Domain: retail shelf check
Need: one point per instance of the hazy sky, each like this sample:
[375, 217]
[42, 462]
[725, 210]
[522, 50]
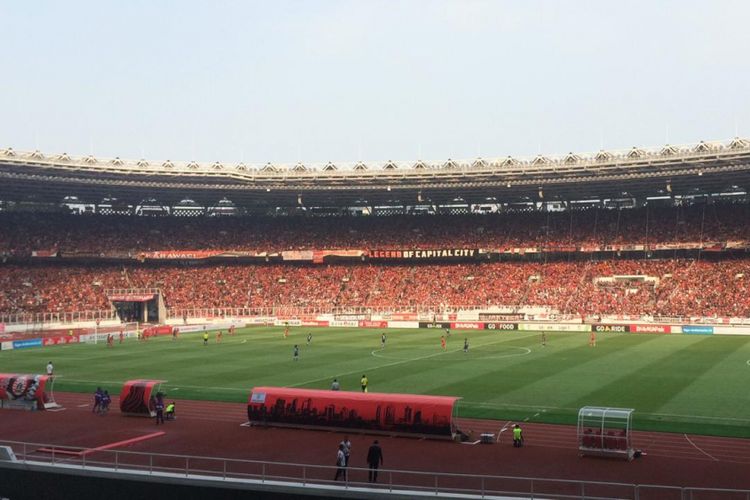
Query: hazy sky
[283, 81]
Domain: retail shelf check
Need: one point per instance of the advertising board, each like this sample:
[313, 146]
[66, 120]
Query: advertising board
[698, 329]
[606, 327]
[650, 329]
[504, 327]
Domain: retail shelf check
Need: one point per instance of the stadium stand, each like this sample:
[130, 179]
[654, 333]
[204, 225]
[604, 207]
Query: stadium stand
[98, 234]
[675, 287]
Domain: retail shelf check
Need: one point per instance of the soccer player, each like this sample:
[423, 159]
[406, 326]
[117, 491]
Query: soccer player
[309, 338]
[448, 332]
[363, 383]
[50, 369]
[335, 386]
[442, 342]
[382, 340]
[466, 344]
[105, 402]
[219, 336]
[175, 331]
[295, 353]
[286, 330]
[122, 335]
[544, 340]
[205, 337]
[231, 330]
[592, 340]
[98, 394]
[110, 340]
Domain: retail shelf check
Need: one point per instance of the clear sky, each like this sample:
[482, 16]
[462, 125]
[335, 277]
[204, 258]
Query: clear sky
[283, 81]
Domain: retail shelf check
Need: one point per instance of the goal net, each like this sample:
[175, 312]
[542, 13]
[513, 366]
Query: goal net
[100, 334]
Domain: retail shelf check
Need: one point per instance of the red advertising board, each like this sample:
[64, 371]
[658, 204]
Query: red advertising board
[403, 317]
[650, 329]
[373, 324]
[61, 339]
[158, 330]
[314, 323]
[467, 325]
[393, 413]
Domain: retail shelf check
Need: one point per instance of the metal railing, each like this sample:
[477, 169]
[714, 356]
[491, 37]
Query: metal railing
[295, 474]
[325, 308]
[538, 314]
[56, 317]
[128, 291]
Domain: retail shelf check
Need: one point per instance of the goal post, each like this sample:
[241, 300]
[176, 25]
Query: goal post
[96, 334]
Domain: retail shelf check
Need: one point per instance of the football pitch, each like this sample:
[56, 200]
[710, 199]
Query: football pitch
[678, 383]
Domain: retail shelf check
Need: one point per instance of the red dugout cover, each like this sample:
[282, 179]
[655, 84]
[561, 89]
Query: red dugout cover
[401, 413]
[135, 397]
[23, 387]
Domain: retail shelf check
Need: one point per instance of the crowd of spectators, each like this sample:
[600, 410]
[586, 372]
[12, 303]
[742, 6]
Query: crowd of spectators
[672, 287]
[127, 235]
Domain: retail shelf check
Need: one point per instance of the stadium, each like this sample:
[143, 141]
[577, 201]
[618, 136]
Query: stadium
[533, 291]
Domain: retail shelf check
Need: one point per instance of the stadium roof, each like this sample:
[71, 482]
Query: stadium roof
[706, 167]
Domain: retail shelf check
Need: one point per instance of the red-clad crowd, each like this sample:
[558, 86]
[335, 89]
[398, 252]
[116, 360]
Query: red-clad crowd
[673, 287]
[23, 233]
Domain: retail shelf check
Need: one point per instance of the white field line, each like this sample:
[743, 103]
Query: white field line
[400, 362]
[699, 449]
[504, 406]
[120, 382]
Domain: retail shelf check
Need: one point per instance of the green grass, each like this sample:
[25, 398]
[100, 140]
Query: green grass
[677, 383]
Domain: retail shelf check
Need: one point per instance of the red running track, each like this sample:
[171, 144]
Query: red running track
[206, 428]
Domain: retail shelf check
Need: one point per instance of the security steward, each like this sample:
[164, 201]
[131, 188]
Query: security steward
[517, 436]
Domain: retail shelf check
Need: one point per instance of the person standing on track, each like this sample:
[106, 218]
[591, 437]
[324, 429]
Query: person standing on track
[374, 460]
[105, 402]
[159, 406]
[97, 399]
[363, 383]
[347, 451]
[340, 463]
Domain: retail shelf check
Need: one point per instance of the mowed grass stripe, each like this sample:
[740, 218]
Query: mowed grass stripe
[615, 356]
[649, 387]
[722, 389]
